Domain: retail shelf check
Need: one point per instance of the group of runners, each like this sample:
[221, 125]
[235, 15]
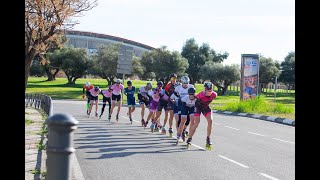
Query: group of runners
[178, 99]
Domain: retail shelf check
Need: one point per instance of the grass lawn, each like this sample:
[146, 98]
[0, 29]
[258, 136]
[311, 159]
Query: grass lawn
[59, 89]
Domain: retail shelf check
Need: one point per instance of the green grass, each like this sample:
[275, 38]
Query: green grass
[59, 89]
[284, 107]
[41, 146]
[35, 171]
[28, 122]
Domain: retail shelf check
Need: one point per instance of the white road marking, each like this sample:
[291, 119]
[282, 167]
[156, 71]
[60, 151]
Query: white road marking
[242, 165]
[191, 144]
[231, 127]
[268, 176]
[256, 133]
[216, 123]
[283, 140]
[136, 121]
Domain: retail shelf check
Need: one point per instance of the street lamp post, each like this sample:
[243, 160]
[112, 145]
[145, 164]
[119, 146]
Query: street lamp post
[275, 88]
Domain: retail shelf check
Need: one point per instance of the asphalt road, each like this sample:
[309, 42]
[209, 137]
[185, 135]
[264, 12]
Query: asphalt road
[243, 148]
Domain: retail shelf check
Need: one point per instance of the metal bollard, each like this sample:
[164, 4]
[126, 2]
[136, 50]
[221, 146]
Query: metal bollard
[60, 146]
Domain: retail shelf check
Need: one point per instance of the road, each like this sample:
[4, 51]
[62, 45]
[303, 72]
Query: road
[243, 148]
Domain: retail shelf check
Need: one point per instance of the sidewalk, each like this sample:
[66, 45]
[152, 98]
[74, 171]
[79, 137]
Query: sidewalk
[35, 158]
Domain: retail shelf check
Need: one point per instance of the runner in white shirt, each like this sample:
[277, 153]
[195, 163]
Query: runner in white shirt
[187, 109]
[181, 91]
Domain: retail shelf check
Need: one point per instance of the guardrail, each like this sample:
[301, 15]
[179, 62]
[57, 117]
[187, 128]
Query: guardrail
[39, 101]
[59, 147]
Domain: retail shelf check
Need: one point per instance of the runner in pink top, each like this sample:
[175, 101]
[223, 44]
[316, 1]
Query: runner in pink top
[94, 98]
[204, 98]
[116, 89]
[116, 96]
[106, 94]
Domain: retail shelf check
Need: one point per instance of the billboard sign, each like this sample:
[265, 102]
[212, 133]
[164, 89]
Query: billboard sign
[124, 65]
[249, 76]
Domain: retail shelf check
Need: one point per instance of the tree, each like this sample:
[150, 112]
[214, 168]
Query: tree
[198, 56]
[36, 68]
[75, 64]
[53, 62]
[288, 69]
[137, 69]
[105, 62]
[267, 70]
[221, 76]
[44, 21]
[163, 63]
[150, 76]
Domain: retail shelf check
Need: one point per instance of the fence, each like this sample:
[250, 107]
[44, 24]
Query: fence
[266, 89]
[60, 137]
[39, 101]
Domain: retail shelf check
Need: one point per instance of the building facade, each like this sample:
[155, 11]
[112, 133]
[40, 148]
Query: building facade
[90, 41]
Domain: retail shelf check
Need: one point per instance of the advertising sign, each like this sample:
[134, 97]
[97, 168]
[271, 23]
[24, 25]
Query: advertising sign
[249, 76]
[124, 65]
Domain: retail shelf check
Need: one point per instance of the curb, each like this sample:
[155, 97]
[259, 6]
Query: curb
[76, 170]
[258, 116]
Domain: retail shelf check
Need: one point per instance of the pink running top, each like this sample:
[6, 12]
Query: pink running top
[116, 90]
[106, 93]
[204, 100]
[94, 93]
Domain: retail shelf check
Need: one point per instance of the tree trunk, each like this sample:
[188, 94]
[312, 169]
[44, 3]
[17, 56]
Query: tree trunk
[191, 80]
[69, 80]
[28, 57]
[74, 80]
[55, 73]
[224, 90]
[49, 74]
[28, 61]
[109, 82]
[219, 90]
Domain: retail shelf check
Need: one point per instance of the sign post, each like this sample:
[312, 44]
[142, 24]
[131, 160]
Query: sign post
[124, 65]
[249, 82]
[275, 89]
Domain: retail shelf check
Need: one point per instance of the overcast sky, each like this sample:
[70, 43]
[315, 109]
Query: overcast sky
[238, 27]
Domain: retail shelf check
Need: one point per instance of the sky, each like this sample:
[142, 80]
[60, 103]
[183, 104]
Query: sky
[265, 27]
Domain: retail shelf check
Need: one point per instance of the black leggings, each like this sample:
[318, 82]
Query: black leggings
[104, 104]
[187, 122]
[88, 96]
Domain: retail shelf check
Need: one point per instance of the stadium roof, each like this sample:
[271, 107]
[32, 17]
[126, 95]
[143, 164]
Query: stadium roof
[105, 36]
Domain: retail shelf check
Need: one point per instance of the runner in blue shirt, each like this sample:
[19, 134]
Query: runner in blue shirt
[131, 100]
